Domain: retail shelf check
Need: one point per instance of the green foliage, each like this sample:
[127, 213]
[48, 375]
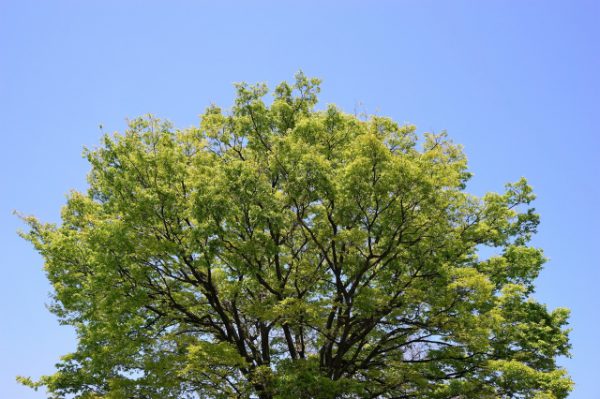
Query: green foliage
[281, 252]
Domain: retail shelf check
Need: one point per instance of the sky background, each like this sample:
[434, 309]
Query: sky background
[516, 82]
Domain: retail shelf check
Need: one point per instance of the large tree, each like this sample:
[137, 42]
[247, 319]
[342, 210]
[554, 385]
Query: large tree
[276, 251]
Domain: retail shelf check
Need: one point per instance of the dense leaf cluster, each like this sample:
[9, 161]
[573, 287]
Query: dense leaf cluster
[276, 251]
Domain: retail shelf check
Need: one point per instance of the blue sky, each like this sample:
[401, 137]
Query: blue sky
[516, 82]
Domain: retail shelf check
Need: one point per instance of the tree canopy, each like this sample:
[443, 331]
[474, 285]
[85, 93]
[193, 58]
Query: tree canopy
[279, 251]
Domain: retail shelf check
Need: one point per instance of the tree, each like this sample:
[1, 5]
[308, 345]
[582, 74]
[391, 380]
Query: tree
[276, 251]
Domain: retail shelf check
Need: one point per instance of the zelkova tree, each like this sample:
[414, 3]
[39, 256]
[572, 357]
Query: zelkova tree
[276, 251]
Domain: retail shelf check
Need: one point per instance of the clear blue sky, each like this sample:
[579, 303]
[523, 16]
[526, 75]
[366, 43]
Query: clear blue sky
[516, 82]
